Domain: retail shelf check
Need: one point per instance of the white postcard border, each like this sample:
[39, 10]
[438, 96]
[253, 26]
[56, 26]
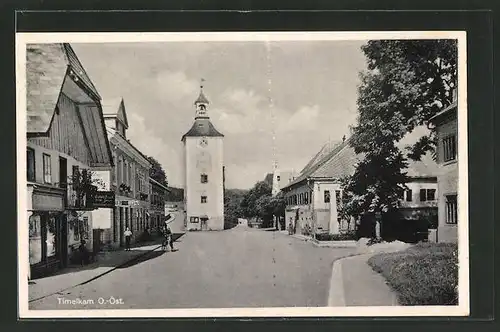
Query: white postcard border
[462, 309]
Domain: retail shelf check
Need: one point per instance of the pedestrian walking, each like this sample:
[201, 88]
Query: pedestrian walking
[128, 235]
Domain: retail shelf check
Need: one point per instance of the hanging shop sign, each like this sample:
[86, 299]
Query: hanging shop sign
[104, 199]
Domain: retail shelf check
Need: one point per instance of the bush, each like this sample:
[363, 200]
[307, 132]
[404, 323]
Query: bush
[335, 237]
[426, 274]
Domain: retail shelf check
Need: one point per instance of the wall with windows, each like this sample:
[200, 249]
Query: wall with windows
[204, 182]
[448, 181]
[420, 193]
[321, 199]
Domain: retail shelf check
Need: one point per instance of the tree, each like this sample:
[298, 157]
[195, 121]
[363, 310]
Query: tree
[249, 202]
[407, 82]
[264, 208]
[232, 210]
[157, 172]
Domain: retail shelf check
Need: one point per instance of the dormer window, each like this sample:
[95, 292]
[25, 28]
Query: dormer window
[120, 128]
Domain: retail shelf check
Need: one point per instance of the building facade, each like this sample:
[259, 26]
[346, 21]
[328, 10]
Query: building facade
[446, 125]
[282, 178]
[128, 180]
[158, 196]
[314, 198]
[203, 172]
[66, 139]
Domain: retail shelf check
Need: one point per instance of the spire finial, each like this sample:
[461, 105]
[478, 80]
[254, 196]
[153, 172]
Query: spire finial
[202, 80]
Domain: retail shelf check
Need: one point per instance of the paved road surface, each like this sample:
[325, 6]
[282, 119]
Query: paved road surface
[242, 267]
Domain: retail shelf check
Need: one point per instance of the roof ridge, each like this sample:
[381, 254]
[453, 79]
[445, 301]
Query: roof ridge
[321, 162]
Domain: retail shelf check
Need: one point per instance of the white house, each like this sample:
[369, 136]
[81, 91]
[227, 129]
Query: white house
[127, 181]
[315, 196]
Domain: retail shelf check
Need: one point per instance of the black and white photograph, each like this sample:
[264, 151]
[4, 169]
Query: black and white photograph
[264, 174]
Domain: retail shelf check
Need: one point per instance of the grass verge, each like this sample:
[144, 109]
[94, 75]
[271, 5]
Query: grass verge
[425, 274]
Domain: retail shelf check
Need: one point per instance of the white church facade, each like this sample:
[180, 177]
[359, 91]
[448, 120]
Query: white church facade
[203, 172]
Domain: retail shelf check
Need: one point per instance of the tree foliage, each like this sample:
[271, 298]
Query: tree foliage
[249, 202]
[259, 203]
[232, 209]
[157, 172]
[406, 83]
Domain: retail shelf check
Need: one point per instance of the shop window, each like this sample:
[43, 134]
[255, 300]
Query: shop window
[30, 167]
[35, 239]
[451, 209]
[47, 169]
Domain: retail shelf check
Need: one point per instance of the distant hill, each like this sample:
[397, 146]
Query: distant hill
[175, 195]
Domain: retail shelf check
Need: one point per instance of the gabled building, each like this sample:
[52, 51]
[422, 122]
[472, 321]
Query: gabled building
[66, 140]
[315, 196]
[446, 126]
[128, 181]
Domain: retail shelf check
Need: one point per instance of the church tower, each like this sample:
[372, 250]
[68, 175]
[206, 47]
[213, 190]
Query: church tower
[203, 171]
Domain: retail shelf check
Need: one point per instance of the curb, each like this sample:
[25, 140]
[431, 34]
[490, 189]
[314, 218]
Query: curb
[336, 293]
[330, 244]
[103, 273]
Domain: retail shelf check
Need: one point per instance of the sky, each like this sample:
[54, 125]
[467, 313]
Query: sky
[280, 101]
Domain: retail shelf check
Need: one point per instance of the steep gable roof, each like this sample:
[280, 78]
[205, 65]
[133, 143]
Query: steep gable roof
[341, 161]
[325, 149]
[78, 69]
[115, 107]
[316, 169]
[46, 68]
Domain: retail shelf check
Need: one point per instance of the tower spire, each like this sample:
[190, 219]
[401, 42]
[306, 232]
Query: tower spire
[201, 103]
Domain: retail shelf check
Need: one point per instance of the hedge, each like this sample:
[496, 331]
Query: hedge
[425, 274]
[336, 237]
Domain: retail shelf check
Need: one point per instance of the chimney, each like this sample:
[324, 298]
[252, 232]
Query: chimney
[343, 139]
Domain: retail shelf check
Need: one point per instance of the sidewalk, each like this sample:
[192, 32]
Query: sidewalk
[77, 275]
[354, 283]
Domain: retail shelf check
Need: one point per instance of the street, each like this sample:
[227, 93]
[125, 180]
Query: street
[241, 267]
